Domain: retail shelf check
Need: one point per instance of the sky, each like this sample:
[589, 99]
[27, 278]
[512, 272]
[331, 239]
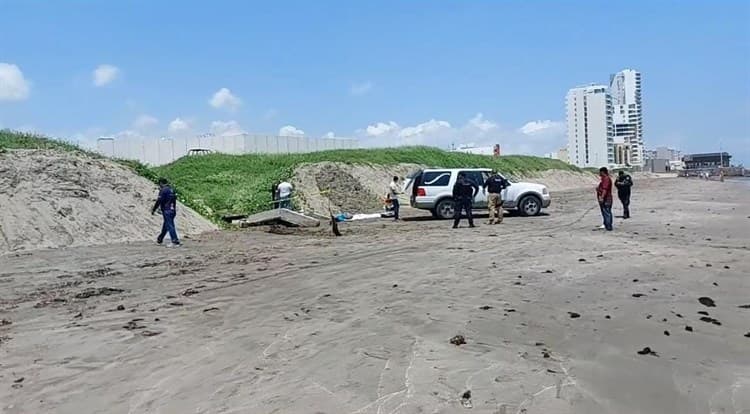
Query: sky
[386, 72]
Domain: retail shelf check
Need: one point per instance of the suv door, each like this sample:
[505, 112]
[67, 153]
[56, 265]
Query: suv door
[436, 184]
[478, 177]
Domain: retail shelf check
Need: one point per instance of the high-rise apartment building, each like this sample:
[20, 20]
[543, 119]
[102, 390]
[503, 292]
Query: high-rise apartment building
[590, 126]
[625, 88]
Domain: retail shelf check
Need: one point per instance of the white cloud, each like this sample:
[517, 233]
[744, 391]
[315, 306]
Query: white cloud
[13, 85]
[482, 124]
[381, 128]
[226, 128]
[105, 74]
[329, 134]
[224, 99]
[178, 125]
[426, 128]
[359, 89]
[477, 131]
[538, 127]
[145, 121]
[290, 131]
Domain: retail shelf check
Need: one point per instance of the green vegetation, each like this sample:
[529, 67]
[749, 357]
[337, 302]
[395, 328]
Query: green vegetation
[22, 140]
[218, 184]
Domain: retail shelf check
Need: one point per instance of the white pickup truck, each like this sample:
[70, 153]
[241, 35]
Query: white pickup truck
[432, 189]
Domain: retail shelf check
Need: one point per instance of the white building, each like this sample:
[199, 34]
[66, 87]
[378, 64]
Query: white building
[667, 153]
[471, 149]
[625, 88]
[590, 127]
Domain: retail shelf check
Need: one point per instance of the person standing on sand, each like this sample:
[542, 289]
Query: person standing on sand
[623, 183]
[464, 192]
[167, 202]
[285, 195]
[494, 185]
[394, 189]
[275, 195]
[604, 196]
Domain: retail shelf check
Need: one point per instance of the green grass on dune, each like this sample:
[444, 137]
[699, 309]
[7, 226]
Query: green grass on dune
[23, 140]
[219, 184]
[12, 140]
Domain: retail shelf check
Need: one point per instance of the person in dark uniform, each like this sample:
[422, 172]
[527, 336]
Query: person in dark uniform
[464, 192]
[167, 202]
[623, 183]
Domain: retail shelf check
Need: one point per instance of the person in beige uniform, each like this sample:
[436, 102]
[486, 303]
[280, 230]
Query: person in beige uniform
[394, 189]
[494, 185]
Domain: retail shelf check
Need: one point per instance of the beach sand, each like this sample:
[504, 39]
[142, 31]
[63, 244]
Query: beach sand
[553, 315]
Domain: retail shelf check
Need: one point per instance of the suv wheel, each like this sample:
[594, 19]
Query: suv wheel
[530, 206]
[445, 209]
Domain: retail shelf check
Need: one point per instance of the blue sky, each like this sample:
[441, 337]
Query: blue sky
[387, 72]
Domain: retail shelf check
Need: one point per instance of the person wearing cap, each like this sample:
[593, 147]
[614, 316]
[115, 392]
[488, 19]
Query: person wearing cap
[167, 203]
[624, 183]
[464, 193]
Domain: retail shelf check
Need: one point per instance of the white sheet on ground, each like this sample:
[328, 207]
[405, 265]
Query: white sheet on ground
[365, 216]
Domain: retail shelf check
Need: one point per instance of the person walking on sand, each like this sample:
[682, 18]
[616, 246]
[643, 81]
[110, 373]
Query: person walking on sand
[604, 196]
[167, 202]
[464, 192]
[394, 189]
[285, 194]
[494, 185]
[623, 183]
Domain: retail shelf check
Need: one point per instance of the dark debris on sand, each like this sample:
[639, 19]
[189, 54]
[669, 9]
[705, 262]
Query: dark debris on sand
[458, 340]
[647, 351]
[706, 301]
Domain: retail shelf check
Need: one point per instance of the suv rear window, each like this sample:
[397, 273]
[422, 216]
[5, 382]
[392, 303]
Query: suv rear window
[436, 179]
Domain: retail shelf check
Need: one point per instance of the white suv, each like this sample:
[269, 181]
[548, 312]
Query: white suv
[432, 189]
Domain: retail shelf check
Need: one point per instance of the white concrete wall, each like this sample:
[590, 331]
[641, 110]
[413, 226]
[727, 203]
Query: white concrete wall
[159, 151]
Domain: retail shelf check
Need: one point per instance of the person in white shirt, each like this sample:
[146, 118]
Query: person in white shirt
[393, 191]
[285, 195]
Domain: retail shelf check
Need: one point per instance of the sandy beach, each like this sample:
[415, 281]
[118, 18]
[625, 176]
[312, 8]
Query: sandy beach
[556, 317]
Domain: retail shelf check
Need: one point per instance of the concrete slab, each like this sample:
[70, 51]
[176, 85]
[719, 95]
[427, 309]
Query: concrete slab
[281, 216]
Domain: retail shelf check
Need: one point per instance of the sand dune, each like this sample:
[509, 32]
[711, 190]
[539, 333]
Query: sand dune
[53, 199]
[359, 188]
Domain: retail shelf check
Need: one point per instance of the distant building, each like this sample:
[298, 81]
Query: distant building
[623, 154]
[625, 89]
[562, 155]
[657, 165]
[709, 160]
[667, 153]
[590, 127]
[468, 149]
